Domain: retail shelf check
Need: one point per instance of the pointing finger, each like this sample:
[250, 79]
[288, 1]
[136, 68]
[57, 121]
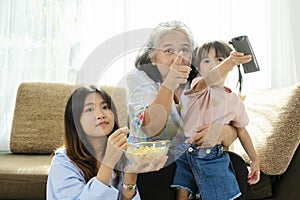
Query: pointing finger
[178, 59]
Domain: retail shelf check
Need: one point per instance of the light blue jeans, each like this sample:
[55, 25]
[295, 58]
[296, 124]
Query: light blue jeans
[207, 173]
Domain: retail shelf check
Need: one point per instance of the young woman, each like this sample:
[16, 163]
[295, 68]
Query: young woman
[155, 101]
[93, 147]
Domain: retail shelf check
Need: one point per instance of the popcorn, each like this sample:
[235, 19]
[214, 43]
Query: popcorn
[144, 152]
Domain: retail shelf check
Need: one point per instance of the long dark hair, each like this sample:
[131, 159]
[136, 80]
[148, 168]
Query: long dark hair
[143, 61]
[77, 147]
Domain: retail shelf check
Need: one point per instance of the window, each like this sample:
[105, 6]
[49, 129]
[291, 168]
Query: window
[48, 41]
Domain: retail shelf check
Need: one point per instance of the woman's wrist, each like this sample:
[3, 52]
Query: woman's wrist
[104, 174]
[129, 185]
[130, 178]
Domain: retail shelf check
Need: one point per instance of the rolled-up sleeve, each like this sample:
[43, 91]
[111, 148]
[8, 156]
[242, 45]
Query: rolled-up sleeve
[142, 91]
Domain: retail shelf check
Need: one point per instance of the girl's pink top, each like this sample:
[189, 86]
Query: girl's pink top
[214, 105]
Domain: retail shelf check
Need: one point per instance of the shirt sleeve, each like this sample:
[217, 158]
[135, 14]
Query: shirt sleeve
[142, 91]
[66, 181]
[194, 82]
[241, 120]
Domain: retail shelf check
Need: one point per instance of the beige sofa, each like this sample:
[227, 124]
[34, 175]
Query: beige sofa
[37, 130]
[274, 127]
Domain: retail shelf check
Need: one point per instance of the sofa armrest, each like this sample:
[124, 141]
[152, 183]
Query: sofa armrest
[23, 176]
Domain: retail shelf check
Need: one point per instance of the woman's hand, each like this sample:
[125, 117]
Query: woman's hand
[156, 164]
[116, 145]
[199, 137]
[178, 74]
[210, 135]
[207, 135]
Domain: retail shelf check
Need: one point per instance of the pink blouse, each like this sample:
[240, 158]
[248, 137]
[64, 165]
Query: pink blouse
[214, 105]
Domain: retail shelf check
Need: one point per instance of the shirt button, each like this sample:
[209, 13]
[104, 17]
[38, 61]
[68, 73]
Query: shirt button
[208, 151]
[190, 149]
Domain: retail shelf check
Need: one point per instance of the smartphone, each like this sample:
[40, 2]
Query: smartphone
[242, 44]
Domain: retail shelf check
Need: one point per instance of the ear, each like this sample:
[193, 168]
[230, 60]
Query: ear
[151, 53]
[153, 61]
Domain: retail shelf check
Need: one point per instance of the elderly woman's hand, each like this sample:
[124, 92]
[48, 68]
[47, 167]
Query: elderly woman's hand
[207, 135]
[178, 74]
[198, 138]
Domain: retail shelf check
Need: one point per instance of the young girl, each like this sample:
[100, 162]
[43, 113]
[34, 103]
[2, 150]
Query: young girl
[93, 145]
[206, 170]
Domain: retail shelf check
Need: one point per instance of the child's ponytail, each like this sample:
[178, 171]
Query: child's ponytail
[240, 84]
[240, 80]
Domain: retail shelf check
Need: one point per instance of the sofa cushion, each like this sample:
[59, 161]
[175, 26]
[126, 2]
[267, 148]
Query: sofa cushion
[38, 117]
[274, 127]
[37, 126]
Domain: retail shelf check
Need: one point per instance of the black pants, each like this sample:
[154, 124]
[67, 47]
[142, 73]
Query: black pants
[156, 185]
[241, 172]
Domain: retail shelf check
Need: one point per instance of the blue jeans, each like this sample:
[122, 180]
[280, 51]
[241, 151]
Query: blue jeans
[207, 173]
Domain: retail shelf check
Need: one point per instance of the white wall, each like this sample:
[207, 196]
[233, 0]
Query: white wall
[295, 16]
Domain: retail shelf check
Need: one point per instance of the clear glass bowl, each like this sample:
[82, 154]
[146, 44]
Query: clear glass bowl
[144, 152]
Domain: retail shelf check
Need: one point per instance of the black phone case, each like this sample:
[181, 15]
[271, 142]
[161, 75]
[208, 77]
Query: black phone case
[242, 44]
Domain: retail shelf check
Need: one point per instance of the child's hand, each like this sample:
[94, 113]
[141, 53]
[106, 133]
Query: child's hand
[237, 58]
[254, 173]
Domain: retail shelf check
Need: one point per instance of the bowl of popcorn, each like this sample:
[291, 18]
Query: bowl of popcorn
[144, 152]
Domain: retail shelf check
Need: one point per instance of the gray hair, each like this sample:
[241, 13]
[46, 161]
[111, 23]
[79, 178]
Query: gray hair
[162, 29]
[143, 60]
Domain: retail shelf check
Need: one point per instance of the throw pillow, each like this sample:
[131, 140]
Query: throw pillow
[274, 127]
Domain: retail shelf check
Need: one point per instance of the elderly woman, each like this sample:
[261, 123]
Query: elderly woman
[155, 104]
